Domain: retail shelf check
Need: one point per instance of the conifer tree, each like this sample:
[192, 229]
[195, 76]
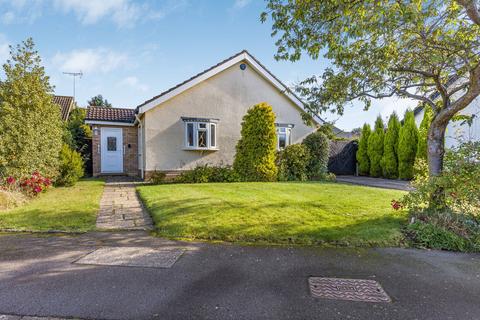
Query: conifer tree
[423, 132]
[362, 155]
[375, 148]
[407, 146]
[390, 147]
[30, 124]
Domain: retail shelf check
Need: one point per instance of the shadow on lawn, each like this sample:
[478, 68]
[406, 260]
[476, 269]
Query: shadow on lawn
[316, 224]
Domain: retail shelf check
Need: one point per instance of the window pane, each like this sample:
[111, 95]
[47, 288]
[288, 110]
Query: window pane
[190, 134]
[112, 143]
[202, 125]
[202, 139]
[212, 135]
[282, 140]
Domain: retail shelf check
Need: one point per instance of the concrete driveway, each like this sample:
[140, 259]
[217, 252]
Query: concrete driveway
[38, 278]
[376, 182]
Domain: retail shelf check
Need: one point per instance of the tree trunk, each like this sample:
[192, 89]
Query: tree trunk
[436, 147]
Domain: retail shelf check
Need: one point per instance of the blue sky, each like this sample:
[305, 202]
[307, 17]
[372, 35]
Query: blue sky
[131, 50]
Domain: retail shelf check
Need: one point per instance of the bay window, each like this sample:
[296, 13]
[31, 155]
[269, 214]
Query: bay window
[200, 134]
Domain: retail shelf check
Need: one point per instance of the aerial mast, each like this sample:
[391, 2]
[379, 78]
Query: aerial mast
[74, 75]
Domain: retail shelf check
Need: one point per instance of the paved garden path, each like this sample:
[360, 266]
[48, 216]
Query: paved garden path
[120, 207]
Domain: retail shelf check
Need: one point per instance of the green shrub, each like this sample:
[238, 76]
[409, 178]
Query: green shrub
[71, 167]
[375, 148]
[423, 132]
[78, 134]
[318, 146]
[407, 146]
[390, 144]
[157, 177]
[292, 163]
[256, 149]
[30, 123]
[362, 154]
[206, 173]
[427, 235]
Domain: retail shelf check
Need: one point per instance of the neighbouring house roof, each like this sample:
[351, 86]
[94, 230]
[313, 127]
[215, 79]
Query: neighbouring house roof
[219, 67]
[105, 114]
[66, 104]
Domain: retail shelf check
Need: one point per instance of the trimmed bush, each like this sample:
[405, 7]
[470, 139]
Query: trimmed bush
[71, 167]
[407, 146]
[362, 154]
[375, 148]
[390, 146]
[292, 163]
[30, 123]
[206, 173]
[318, 146]
[256, 149]
[423, 132]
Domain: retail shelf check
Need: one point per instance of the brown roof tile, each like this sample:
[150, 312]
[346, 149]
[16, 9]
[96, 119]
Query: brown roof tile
[110, 114]
[66, 104]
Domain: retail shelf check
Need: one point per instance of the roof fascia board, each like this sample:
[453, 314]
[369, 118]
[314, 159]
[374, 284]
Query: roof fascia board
[113, 123]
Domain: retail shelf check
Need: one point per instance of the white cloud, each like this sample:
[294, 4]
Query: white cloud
[20, 11]
[239, 4]
[4, 49]
[122, 12]
[90, 60]
[125, 13]
[134, 83]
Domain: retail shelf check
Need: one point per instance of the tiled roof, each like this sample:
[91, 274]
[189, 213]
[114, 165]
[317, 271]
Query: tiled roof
[66, 104]
[110, 114]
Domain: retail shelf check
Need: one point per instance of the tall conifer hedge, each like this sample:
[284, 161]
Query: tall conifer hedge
[362, 155]
[407, 146]
[375, 148]
[423, 132]
[390, 147]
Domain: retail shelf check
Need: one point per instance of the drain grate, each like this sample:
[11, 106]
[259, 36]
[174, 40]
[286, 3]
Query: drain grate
[347, 289]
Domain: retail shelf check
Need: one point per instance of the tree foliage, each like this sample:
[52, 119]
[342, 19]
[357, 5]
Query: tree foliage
[390, 148]
[407, 146]
[375, 148]
[30, 123]
[362, 152]
[292, 163]
[319, 148]
[78, 134]
[99, 101]
[423, 132]
[256, 149]
[382, 48]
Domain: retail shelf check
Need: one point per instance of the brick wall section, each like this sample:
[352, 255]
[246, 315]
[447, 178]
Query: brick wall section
[130, 157]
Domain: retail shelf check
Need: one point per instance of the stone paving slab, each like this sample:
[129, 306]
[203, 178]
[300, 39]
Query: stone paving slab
[120, 207]
[133, 257]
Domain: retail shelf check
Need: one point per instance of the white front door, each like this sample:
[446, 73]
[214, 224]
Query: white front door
[112, 150]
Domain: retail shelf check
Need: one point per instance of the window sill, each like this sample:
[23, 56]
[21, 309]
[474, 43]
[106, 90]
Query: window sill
[200, 149]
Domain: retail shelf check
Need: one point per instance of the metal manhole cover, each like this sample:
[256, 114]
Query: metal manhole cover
[347, 289]
[133, 257]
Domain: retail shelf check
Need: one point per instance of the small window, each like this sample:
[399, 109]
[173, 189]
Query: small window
[283, 137]
[200, 135]
[111, 143]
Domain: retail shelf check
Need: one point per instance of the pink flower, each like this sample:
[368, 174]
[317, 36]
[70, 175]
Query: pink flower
[11, 180]
[37, 189]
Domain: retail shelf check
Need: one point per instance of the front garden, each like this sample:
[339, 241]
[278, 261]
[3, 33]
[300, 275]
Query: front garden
[61, 208]
[304, 213]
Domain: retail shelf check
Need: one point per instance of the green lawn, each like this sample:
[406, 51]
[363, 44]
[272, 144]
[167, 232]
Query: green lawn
[67, 209]
[276, 213]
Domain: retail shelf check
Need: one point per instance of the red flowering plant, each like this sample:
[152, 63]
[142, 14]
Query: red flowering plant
[34, 184]
[396, 205]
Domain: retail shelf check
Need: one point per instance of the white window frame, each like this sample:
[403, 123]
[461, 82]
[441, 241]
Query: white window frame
[209, 125]
[287, 131]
